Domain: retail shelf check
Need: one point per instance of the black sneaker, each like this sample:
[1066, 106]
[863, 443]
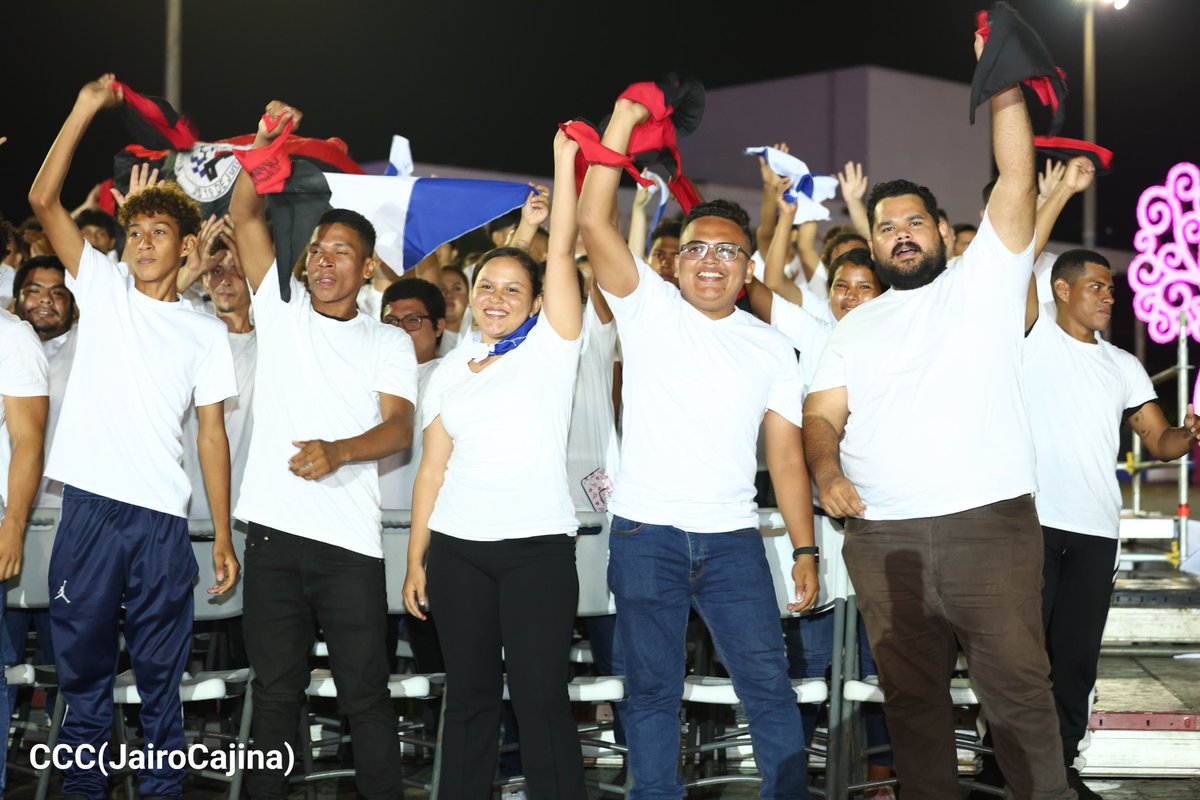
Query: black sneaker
[1081, 789]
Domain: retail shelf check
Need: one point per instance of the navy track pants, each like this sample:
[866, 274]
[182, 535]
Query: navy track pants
[107, 554]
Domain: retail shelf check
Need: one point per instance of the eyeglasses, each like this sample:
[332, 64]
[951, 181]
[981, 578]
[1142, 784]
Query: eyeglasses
[410, 322]
[724, 251]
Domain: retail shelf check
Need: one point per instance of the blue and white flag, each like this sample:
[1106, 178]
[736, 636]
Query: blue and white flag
[400, 160]
[414, 216]
[808, 191]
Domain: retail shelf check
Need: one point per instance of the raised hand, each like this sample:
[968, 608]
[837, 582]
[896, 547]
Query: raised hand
[768, 175]
[141, 177]
[536, 210]
[853, 182]
[1049, 178]
[565, 147]
[100, 93]
[1079, 174]
[279, 112]
[781, 186]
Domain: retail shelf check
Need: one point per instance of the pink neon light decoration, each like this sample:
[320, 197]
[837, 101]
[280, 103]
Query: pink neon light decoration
[1165, 274]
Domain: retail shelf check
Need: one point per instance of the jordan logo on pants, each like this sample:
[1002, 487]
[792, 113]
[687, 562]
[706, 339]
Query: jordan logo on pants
[62, 593]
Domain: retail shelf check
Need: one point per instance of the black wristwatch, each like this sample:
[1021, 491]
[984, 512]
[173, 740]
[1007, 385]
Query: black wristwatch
[815, 552]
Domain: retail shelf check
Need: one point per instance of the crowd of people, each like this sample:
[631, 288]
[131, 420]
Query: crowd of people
[916, 398]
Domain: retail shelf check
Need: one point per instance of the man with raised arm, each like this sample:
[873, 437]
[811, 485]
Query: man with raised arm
[334, 393]
[918, 397]
[699, 377]
[141, 359]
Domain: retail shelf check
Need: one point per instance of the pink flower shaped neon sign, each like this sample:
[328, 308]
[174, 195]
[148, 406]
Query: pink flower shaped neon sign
[1165, 274]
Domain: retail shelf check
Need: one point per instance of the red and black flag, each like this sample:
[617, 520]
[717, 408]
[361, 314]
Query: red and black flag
[1013, 53]
[206, 171]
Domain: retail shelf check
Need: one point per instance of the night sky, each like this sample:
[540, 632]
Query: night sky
[482, 84]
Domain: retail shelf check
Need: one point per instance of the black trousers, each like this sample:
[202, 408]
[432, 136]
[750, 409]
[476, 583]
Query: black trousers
[1078, 574]
[519, 594]
[289, 580]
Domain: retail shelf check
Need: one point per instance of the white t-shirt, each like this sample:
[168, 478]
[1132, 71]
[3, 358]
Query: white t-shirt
[319, 378]
[60, 353]
[1042, 269]
[398, 471]
[449, 342]
[238, 425]
[507, 475]
[694, 392]
[1076, 394]
[7, 276]
[933, 376]
[807, 332]
[139, 364]
[23, 373]
[592, 442]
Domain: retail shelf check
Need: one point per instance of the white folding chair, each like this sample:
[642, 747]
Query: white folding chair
[595, 600]
[29, 590]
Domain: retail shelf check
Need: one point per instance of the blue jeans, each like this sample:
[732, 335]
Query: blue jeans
[656, 572]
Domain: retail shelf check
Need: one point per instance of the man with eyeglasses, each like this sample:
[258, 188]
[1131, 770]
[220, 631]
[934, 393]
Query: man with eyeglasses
[418, 308]
[699, 377]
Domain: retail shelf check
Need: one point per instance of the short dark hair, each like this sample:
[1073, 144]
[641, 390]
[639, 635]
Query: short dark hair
[858, 257]
[723, 209]
[836, 241]
[523, 258]
[94, 216]
[422, 290]
[942, 215]
[356, 222]
[897, 188]
[29, 265]
[964, 227]
[666, 227]
[987, 191]
[417, 289]
[7, 232]
[166, 199]
[1070, 265]
[503, 221]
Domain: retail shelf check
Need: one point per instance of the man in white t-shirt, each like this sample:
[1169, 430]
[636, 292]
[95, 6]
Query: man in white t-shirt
[23, 408]
[225, 286]
[141, 359]
[917, 398]
[1078, 389]
[699, 376]
[44, 301]
[334, 394]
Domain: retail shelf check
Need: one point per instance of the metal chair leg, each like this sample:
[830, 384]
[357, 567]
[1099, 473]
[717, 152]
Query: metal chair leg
[56, 720]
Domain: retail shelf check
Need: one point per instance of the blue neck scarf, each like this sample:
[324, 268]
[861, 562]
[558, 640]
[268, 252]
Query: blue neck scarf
[514, 339]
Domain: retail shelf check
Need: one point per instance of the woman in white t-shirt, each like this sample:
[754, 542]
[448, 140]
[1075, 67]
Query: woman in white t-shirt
[492, 511]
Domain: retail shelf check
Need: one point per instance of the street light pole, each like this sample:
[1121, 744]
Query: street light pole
[1089, 115]
[173, 59]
